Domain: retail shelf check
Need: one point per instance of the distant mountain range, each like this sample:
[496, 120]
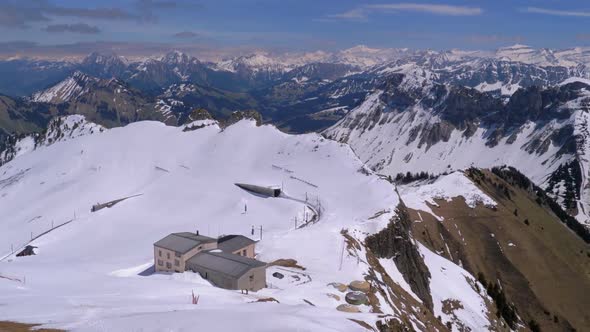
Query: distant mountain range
[299, 92]
[399, 109]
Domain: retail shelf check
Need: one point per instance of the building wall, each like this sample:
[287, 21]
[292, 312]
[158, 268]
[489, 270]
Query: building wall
[170, 257]
[249, 251]
[165, 260]
[253, 280]
[216, 278]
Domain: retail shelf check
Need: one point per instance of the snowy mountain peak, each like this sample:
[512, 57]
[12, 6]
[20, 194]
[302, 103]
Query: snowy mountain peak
[105, 59]
[177, 57]
[256, 62]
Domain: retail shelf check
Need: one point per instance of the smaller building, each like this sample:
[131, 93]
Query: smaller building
[229, 271]
[237, 244]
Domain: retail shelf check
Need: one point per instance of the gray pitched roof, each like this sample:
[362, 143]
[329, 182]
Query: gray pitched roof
[231, 243]
[183, 242]
[225, 263]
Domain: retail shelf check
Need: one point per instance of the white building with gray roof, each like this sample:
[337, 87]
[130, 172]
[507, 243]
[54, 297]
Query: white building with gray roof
[227, 262]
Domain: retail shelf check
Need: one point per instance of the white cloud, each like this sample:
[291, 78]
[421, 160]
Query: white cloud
[353, 14]
[537, 10]
[363, 12]
[429, 8]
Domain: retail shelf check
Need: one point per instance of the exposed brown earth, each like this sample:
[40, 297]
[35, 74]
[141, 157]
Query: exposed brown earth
[363, 324]
[20, 327]
[287, 263]
[266, 299]
[542, 266]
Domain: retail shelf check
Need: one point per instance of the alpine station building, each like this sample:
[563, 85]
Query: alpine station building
[227, 262]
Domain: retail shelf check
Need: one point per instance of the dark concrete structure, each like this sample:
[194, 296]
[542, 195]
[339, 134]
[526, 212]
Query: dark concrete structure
[264, 191]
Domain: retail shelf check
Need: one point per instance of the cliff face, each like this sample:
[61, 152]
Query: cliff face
[395, 242]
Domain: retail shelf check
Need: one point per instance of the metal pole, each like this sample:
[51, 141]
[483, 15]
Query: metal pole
[304, 215]
[261, 232]
[341, 256]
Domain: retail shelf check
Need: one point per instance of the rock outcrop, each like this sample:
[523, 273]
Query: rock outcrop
[395, 242]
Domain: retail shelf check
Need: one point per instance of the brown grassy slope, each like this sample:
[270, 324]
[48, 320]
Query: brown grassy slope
[19, 327]
[546, 273]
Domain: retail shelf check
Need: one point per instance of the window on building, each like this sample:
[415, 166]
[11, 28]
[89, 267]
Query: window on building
[176, 262]
[177, 254]
[168, 255]
[159, 252]
[160, 262]
[168, 265]
[244, 252]
[252, 278]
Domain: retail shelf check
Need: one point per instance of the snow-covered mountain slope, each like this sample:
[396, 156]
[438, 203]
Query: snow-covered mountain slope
[92, 273]
[59, 129]
[66, 90]
[110, 102]
[412, 126]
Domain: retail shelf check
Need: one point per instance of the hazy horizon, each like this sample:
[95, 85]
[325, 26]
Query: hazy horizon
[67, 28]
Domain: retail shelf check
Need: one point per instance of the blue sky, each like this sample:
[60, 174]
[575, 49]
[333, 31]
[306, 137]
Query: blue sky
[299, 25]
